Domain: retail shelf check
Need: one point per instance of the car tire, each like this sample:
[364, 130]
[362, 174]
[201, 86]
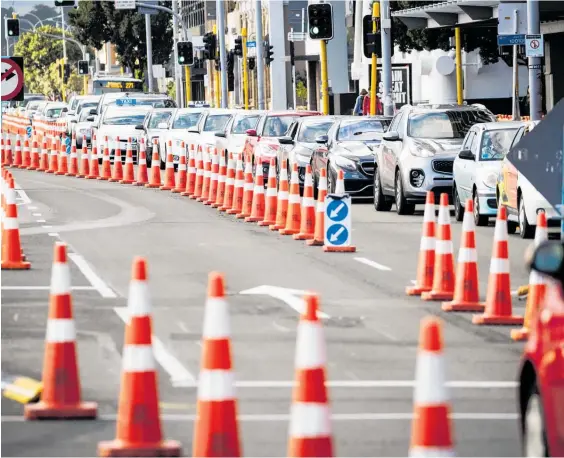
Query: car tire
[526, 230]
[331, 181]
[381, 202]
[512, 227]
[162, 163]
[479, 220]
[458, 208]
[402, 206]
[534, 442]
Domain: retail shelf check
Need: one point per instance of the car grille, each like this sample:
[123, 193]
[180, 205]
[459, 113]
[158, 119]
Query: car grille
[442, 166]
[367, 168]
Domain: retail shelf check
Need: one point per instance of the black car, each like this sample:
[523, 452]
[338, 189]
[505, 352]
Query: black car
[350, 146]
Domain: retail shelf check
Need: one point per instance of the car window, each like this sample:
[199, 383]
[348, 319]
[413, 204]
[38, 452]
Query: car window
[74, 104]
[277, 126]
[216, 123]
[309, 132]
[361, 130]
[83, 115]
[125, 119]
[54, 113]
[186, 120]
[446, 124]
[495, 144]
[241, 125]
[81, 107]
[468, 140]
[157, 118]
[395, 122]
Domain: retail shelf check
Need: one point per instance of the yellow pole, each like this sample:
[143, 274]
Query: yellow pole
[85, 85]
[374, 78]
[188, 90]
[63, 95]
[324, 78]
[245, 72]
[458, 50]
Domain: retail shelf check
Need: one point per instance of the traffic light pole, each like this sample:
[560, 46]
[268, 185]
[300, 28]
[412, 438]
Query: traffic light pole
[374, 79]
[388, 102]
[245, 69]
[216, 81]
[260, 57]
[149, 40]
[222, 52]
[177, 68]
[324, 77]
[64, 96]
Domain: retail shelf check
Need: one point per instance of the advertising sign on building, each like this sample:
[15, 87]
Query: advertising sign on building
[402, 92]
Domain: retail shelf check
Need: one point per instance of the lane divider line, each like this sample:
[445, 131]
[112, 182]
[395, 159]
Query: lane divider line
[52, 234]
[371, 263]
[44, 288]
[99, 284]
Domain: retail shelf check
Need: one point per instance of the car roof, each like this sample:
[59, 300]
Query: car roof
[128, 109]
[219, 111]
[190, 110]
[291, 113]
[500, 125]
[56, 105]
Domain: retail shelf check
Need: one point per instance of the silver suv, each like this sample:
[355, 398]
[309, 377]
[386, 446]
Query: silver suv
[417, 153]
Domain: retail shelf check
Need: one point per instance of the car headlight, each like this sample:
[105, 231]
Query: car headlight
[420, 152]
[345, 163]
[491, 180]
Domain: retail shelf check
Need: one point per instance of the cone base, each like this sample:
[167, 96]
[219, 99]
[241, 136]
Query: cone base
[302, 236]
[243, 215]
[253, 219]
[208, 202]
[314, 242]
[16, 265]
[42, 411]
[80, 176]
[232, 212]
[152, 186]
[497, 320]
[417, 290]
[194, 197]
[123, 449]
[520, 334]
[201, 199]
[115, 180]
[265, 223]
[186, 194]
[216, 205]
[339, 249]
[166, 188]
[437, 296]
[68, 174]
[285, 231]
[92, 177]
[49, 171]
[61, 173]
[139, 183]
[177, 190]
[126, 181]
[103, 178]
[275, 227]
[462, 306]
[31, 168]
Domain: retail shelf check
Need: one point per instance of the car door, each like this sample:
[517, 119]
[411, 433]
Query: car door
[463, 169]
[511, 174]
[390, 152]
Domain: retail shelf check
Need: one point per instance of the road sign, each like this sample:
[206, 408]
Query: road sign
[126, 102]
[534, 45]
[124, 4]
[510, 40]
[338, 223]
[68, 145]
[28, 131]
[12, 79]
[251, 44]
[148, 9]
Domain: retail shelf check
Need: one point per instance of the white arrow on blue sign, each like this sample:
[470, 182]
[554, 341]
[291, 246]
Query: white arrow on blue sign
[338, 220]
[68, 145]
[28, 131]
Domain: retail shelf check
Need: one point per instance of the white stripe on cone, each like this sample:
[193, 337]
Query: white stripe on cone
[310, 346]
[430, 379]
[309, 420]
[216, 385]
[138, 358]
[60, 279]
[60, 330]
[216, 319]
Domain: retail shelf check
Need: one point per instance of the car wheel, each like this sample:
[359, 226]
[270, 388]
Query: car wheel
[479, 220]
[402, 206]
[512, 227]
[458, 208]
[381, 204]
[534, 430]
[331, 182]
[526, 230]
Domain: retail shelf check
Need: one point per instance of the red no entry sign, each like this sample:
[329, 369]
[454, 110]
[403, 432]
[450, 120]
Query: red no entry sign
[12, 84]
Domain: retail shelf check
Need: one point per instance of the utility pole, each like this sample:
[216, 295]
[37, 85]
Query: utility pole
[458, 54]
[64, 53]
[85, 78]
[260, 57]
[245, 70]
[222, 51]
[324, 77]
[293, 64]
[149, 40]
[535, 75]
[374, 79]
[177, 70]
[386, 32]
[216, 81]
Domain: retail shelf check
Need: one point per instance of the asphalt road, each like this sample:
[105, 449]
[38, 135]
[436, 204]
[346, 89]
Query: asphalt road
[371, 326]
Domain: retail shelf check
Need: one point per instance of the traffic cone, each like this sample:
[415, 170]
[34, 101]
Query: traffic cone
[191, 177]
[498, 307]
[207, 178]
[181, 185]
[293, 218]
[319, 235]
[307, 228]
[199, 183]
[117, 172]
[221, 177]
[443, 271]
[8, 153]
[94, 171]
[537, 286]
[73, 166]
[106, 164]
[63, 160]
[2, 149]
[431, 431]
[44, 160]
[248, 188]
[310, 419]
[139, 430]
[271, 196]
[340, 185]
[142, 176]
[216, 432]
[26, 157]
[84, 161]
[234, 187]
[282, 200]
[169, 183]
[213, 179]
[18, 153]
[34, 164]
[129, 173]
[155, 178]
[11, 246]
[257, 209]
[61, 396]
[466, 289]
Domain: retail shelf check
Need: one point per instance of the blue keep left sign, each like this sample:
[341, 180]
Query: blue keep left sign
[68, 145]
[28, 131]
[337, 210]
[337, 234]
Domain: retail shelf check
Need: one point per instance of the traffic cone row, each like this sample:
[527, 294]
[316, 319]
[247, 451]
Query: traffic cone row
[12, 254]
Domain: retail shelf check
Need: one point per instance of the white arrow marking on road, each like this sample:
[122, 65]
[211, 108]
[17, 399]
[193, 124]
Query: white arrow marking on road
[335, 236]
[371, 263]
[337, 210]
[289, 296]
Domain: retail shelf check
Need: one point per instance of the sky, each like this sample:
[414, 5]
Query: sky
[24, 6]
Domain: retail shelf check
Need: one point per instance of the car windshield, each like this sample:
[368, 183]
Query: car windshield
[309, 132]
[122, 119]
[83, 115]
[495, 144]
[74, 104]
[216, 123]
[31, 106]
[186, 120]
[244, 123]
[86, 105]
[54, 112]
[446, 124]
[159, 117]
[276, 126]
[364, 130]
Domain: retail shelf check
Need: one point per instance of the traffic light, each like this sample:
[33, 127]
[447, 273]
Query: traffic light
[239, 46]
[13, 27]
[372, 42]
[231, 71]
[217, 64]
[251, 63]
[209, 46]
[67, 73]
[83, 67]
[320, 17]
[70, 3]
[185, 53]
[268, 53]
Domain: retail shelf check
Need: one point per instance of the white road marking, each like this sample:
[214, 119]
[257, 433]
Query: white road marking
[413, 282]
[22, 195]
[52, 234]
[371, 263]
[47, 227]
[99, 284]
[173, 367]
[36, 214]
[41, 221]
[31, 207]
[289, 296]
[44, 288]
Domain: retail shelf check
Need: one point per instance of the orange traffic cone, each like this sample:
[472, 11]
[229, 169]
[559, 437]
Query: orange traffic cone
[84, 161]
[44, 160]
[139, 431]
[282, 200]
[238, 188]
[216, 432]
[61, 396]
[221, 177]
[498, 307]
[94, 171]
[18, 153]
[11, 246]
[117, 172]
[310, 418]
[106, 164]
[8, 153]
[431, 431]
[129, 173]
[213, 179]
[340, 185]
[271, 196]
[63, 159]
[142, 176]
[443, 271]
[229, 185]
[319, 235]
[293, 218]
[537, 286]
[2, 150]
[54, 156]
[169, 180]
[181, 185]
[257, 210]
[199, 183]
[248, 188]
[26, 157]
[34, 164]
[206, 178]
[73, 165]
[155, 178]
[466, 290]
[191, 176]
[307, 228]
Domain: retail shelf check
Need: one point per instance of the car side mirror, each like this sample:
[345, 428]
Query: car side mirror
[322, 139]
[220, 134]
[73, 120]
[162, 125]
[286, 140]
[391, 136]
[65, 110]
[93, 111]
[193, 130]
[139, 127]
[466, 154]
[547, 258]
[251, 132]
[90, 118]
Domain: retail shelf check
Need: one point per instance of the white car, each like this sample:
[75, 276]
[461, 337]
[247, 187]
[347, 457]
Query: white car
[232, 139]
[212, 121]
[83, 129]
[477, 167]
[155, 124]
[178, 131]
